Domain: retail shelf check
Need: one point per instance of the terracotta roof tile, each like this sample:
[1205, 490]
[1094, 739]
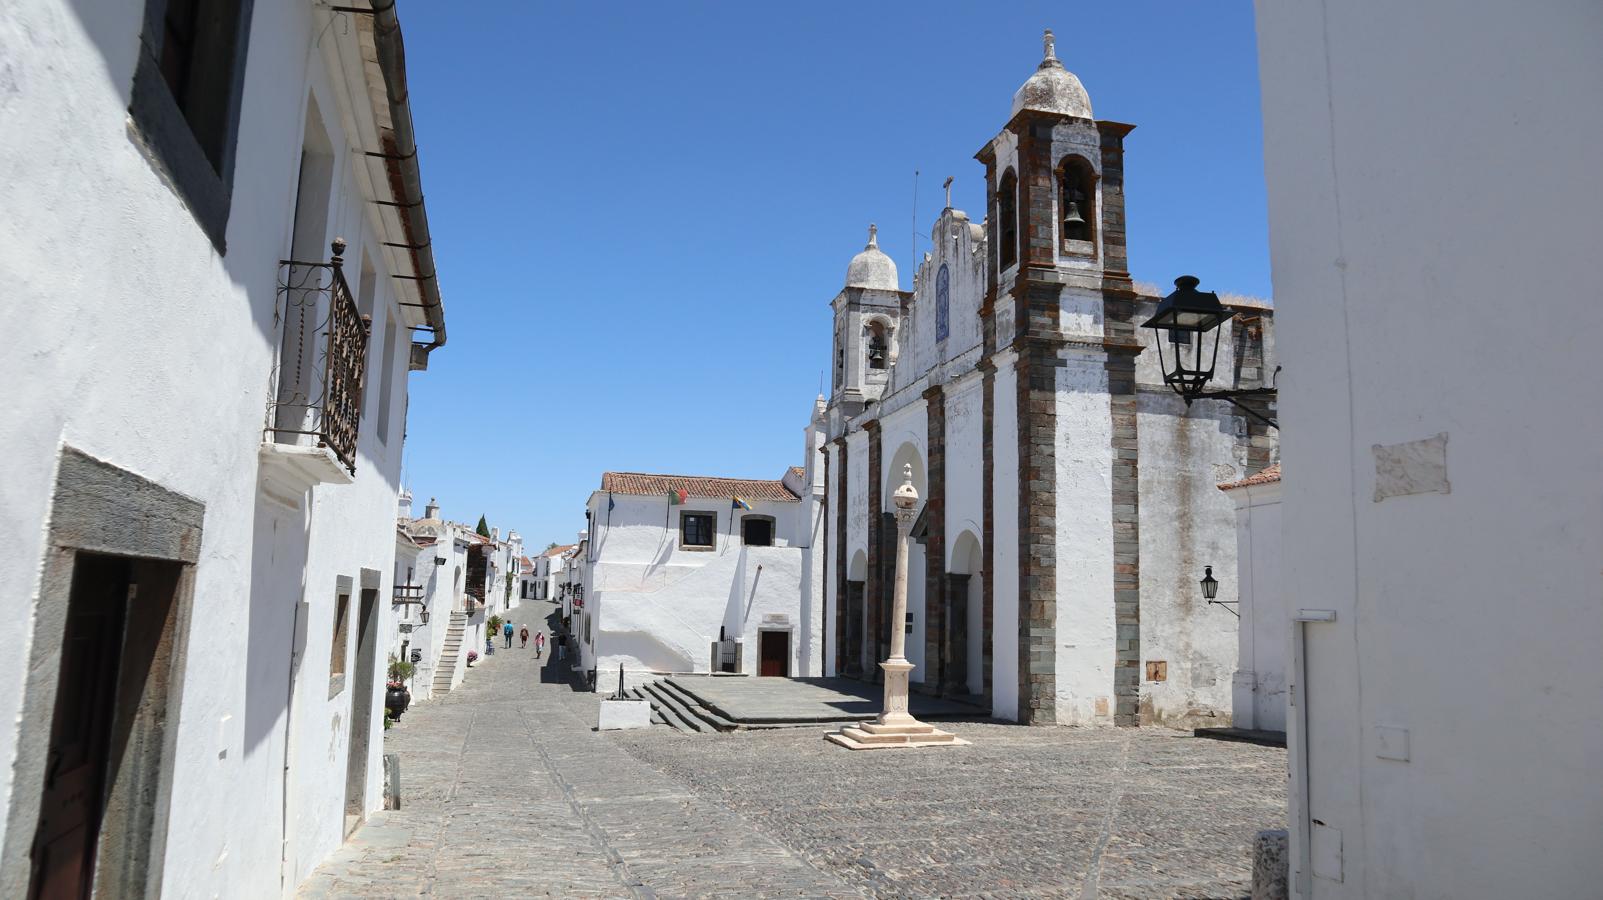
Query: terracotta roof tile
[696, 486]
[1267, 476]
[558, 551]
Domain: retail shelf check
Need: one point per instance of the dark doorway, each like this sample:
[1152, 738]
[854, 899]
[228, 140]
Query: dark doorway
[757, 531]
[854, 629]
[108, 729]
[363, 698]
[956, 667]
[774, 654]
[80, 730]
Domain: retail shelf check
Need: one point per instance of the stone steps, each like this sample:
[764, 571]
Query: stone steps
[672, 709]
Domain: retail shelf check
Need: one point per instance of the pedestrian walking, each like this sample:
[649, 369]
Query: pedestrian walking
[523, 638]
[562, 649]
[539, 643]
[507, 630]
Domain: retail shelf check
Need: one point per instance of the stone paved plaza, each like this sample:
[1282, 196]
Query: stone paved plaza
[508, 792]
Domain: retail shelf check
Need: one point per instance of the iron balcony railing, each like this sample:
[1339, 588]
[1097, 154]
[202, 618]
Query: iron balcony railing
[317, 396]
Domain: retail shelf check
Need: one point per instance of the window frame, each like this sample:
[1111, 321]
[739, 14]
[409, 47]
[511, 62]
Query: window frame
[684, 544]
[773, 529]
[173, 143]
[339, 644]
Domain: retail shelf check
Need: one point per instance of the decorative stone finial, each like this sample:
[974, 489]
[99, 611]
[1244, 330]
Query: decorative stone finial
[873, 236]
[1049, 45]
[906, 496]
[338, 246]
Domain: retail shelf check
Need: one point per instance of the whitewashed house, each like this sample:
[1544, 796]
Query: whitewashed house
[679, 563]
[461, 579]
[217, 257]
[1263, 641]
[1068, 501]
[1434, 187]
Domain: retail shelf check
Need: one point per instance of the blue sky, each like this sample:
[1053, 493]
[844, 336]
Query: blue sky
[641, 211]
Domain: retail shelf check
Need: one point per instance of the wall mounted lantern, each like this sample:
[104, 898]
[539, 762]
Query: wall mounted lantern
[1185, 320]
[423, 615]
[1210, 590]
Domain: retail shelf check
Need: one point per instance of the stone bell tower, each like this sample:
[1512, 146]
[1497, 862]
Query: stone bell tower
[868, 318]
[1060, 350]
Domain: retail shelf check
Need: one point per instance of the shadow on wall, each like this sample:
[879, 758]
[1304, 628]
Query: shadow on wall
[651, 653]
[277, 584]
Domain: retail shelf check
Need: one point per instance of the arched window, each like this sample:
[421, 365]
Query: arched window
[1077, 205]
[878, 350]
[943, 304]
[1007, 220]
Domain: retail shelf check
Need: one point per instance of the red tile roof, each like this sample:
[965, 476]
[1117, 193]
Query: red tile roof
[696, 486]
[527, 562]
[558, 551]
[1267, 476]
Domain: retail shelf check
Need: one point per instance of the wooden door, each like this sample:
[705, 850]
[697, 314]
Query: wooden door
[774, 653]
[854, 630]
[75, 770]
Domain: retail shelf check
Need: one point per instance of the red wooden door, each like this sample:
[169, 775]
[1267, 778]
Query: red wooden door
[774, 653]
[70, 809]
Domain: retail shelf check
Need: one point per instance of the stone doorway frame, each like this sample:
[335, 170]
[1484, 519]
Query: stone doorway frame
[102, 509]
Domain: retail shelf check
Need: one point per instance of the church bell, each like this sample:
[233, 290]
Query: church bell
[1073, 217]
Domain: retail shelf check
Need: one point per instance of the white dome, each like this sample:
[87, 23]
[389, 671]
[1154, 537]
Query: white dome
[1053, 89]
[872, 268]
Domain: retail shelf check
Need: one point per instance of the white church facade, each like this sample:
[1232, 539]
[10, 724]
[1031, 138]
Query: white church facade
[1070, 499]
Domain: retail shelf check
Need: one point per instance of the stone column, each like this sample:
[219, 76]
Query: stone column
[897, 668]
[896, 726]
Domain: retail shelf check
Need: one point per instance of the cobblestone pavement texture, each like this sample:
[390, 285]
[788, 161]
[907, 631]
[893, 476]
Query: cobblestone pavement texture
[508, 792]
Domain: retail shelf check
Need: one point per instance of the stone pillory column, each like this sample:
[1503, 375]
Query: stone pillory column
[896, 726]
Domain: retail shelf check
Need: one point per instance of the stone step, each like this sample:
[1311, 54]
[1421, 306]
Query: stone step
[876, 728]
[695, 706]
[674, 710]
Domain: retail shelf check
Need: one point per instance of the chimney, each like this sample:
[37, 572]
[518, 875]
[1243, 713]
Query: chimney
[404, 507]
[432, 511]
[495, 534]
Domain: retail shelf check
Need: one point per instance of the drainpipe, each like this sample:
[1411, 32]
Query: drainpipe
[406, 180]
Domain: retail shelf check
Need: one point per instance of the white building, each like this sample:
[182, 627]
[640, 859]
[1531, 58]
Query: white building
[1258, 690]
[1069, 501]
[1434, 188]
[679, 562]
[203, 441]
[461, 579]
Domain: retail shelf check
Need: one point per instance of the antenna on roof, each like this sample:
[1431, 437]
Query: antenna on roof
[914, 268]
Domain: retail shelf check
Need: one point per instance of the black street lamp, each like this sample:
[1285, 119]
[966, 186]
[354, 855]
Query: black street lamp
[1185, 320]
[1210, 590]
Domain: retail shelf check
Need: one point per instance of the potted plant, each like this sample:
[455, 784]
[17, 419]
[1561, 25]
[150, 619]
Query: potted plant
[396, 696]
[473, 657]
[493, 625]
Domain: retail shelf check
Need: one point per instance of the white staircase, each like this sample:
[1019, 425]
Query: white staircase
[445, 671]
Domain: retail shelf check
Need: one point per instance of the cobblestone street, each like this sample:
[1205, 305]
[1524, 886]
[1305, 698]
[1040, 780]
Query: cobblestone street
[508, 792]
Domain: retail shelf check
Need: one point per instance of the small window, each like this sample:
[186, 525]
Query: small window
[186, 98]
[757, 531]
[1007, 220]
[696, 530]
[943, 304]
[337, 651]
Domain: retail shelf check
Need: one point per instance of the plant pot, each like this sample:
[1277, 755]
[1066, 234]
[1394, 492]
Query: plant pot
[396, 699]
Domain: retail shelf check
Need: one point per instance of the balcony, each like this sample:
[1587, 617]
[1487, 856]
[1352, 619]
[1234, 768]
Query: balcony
[314, 413]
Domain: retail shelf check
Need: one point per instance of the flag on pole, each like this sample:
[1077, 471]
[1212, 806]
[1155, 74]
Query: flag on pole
[678, 496]
[740, 504]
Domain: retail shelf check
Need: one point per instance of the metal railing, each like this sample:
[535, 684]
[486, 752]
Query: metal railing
[318, 383]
